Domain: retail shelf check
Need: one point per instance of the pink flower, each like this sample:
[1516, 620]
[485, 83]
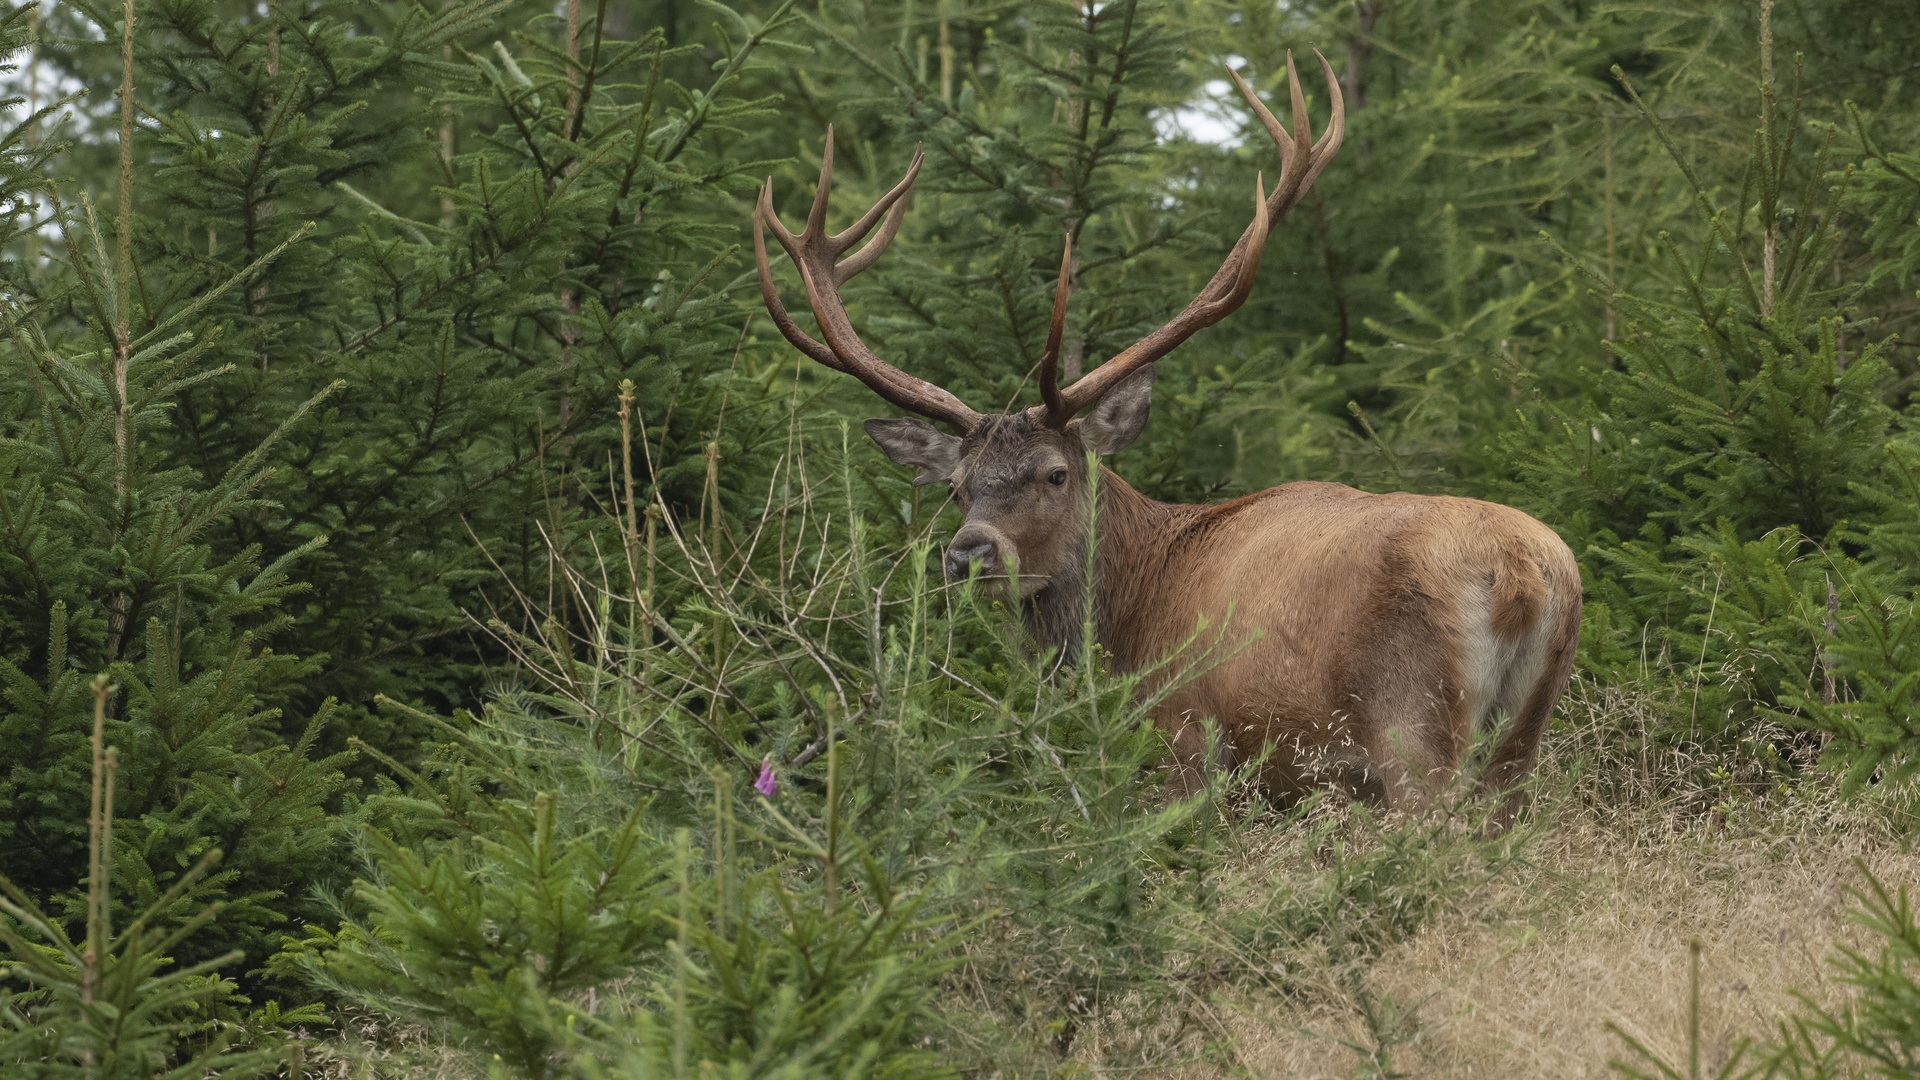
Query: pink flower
[766, 785]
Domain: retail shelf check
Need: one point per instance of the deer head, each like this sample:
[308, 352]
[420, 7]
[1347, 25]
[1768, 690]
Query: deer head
[1021, 477]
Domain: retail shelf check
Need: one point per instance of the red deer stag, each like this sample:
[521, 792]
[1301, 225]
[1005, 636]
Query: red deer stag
[1380, 630]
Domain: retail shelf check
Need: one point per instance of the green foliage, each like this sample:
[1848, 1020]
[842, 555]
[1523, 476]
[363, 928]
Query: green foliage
[587, 847]
[460, 937]
[1739, 439]
[595, 945]
[106, 565]
[1886, 196]
[513, 212]
[113, 1004]
[494, 235]
[23, 152]
[1873, 727]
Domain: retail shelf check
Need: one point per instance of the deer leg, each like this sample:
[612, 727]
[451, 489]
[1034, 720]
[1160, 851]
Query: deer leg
[1534, 684]
[1412, 775]
[1197, 751]
[1186, 765]
[1415, 744]
[1347, 768]
[1513, 755]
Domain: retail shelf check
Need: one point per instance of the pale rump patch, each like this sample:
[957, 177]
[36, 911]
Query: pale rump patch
[1485, 659]
[1509, 634]
[1519, 593]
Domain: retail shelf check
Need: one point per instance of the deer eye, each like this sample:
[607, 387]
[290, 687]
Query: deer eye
[1059, 477]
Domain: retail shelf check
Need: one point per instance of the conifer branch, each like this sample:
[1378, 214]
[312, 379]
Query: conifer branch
[123, 266]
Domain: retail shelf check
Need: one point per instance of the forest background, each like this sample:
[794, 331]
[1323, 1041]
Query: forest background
[388, 414]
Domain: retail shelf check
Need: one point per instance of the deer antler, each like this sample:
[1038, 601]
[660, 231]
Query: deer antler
[817, 256]
[1050, 360]
[1300, 165]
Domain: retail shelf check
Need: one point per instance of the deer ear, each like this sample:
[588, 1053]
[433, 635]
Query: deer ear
[1120, 415]
[909, 440]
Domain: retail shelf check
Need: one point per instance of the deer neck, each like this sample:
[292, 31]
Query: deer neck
[1135, 537]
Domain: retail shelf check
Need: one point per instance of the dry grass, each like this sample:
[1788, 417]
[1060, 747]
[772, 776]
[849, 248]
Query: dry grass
[1630, 865]
[1527, 994]
[364, 1047]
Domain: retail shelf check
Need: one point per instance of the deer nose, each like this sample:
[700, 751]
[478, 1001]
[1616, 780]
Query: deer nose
[961, 556]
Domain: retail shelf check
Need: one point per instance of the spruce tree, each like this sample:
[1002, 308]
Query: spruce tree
[509, 213]
[108, 567]
[1738, 484]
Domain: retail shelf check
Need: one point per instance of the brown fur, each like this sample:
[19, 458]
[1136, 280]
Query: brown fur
[1354, 639]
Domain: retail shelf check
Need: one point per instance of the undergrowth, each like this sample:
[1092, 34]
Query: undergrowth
[829, 818]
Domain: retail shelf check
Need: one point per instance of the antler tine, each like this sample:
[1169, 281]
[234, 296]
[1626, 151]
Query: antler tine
[1250, 258]
[1302, 126]
[1301, 162]
[894, 205]
[817, 213]
[763, 214]
[1281, 140]
[1330, 139]
[813, 254]
[1295, 148]
[1050, 360]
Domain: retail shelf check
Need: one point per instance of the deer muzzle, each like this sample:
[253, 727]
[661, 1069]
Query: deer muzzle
[976, 545]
